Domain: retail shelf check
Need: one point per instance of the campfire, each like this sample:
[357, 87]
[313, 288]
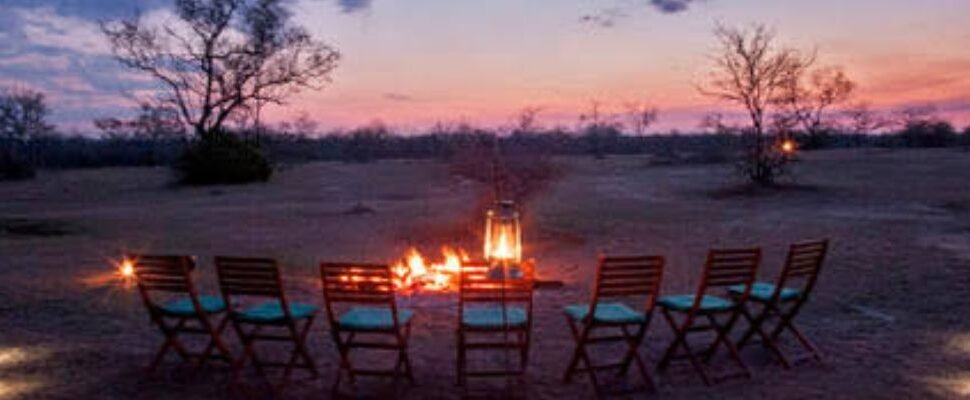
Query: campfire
[502, 246]
[414, 272]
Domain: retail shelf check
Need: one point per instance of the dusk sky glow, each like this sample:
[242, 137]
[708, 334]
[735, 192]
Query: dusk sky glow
[411, 63]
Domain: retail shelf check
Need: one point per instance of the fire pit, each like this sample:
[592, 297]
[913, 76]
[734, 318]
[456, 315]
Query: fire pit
[502, 250]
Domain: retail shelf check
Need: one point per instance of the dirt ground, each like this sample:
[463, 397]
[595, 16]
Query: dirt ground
[890, 311]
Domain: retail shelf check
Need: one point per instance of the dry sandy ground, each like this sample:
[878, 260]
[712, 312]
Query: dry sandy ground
[890, 312]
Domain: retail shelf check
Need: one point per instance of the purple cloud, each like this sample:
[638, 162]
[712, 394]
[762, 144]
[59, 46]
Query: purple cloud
[671, 6]
[353, 6]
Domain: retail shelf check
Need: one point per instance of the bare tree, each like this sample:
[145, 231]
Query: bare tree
[641, 116]
[913, 115]
[752, 72]
[598, 129]
[23, 114]
[862, 120]
[527, 120]
[23, 118]
[222, 58]
[809, 95]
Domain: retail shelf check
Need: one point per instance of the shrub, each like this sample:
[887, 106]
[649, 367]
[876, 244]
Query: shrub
[223, 158]
[14, 167]
[928, 134]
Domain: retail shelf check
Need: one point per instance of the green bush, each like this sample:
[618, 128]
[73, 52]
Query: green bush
[223, 158]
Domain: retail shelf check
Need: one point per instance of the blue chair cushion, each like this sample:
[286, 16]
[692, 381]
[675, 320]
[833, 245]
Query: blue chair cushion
[183, 306]
[372, 318]
[684, 302]
[607, 312]
[272, 311]
[762, 291]
[492, 317]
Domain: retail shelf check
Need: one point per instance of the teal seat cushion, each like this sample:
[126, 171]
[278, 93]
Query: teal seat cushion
[183, 306]
[493, 317]
[684, 302]
[606, 312]
[272, 311]
[372, 318]
[762, 291]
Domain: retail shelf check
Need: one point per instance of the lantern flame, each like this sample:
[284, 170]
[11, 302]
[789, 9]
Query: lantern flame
[502, 249]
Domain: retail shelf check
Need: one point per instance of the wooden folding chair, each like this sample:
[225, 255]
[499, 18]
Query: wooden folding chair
[363, 314]
[724, 268]
[782, 301]
[168, 291]
[494, 313]
[243, 280]
[617, 279]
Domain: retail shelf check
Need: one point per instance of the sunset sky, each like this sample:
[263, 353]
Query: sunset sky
[411, 63]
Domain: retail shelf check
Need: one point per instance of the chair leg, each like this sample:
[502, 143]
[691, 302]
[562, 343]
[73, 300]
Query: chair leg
[723, 331]
[157, 359]
[787, 322]
[524, 349]
[295, 354]
[343, 350]
[247, 352]
[680, 340]
[303, 351]
[756, 326]
[679, 336]
[460, 364]
[170, 342]
[406, 355]
[633, 355]
[215, 342]
[577, 352]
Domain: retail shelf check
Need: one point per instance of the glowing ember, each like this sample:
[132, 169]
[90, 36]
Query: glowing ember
[413, 272]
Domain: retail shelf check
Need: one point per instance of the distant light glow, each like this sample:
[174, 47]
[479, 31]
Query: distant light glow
[788, 146]
[126, 272]
[127, 269]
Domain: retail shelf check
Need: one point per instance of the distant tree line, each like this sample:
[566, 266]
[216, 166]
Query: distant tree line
[376, 142]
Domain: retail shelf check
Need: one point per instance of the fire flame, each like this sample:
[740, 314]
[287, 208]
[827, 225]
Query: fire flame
[502, 249]
[414, 272]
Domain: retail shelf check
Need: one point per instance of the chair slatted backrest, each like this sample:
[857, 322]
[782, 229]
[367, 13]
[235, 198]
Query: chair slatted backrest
[247, 277]
[729, 267]
[169, 274]
[163, 273]
[357, 283]
[620, 277]
[804, 261]
[479, 283]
